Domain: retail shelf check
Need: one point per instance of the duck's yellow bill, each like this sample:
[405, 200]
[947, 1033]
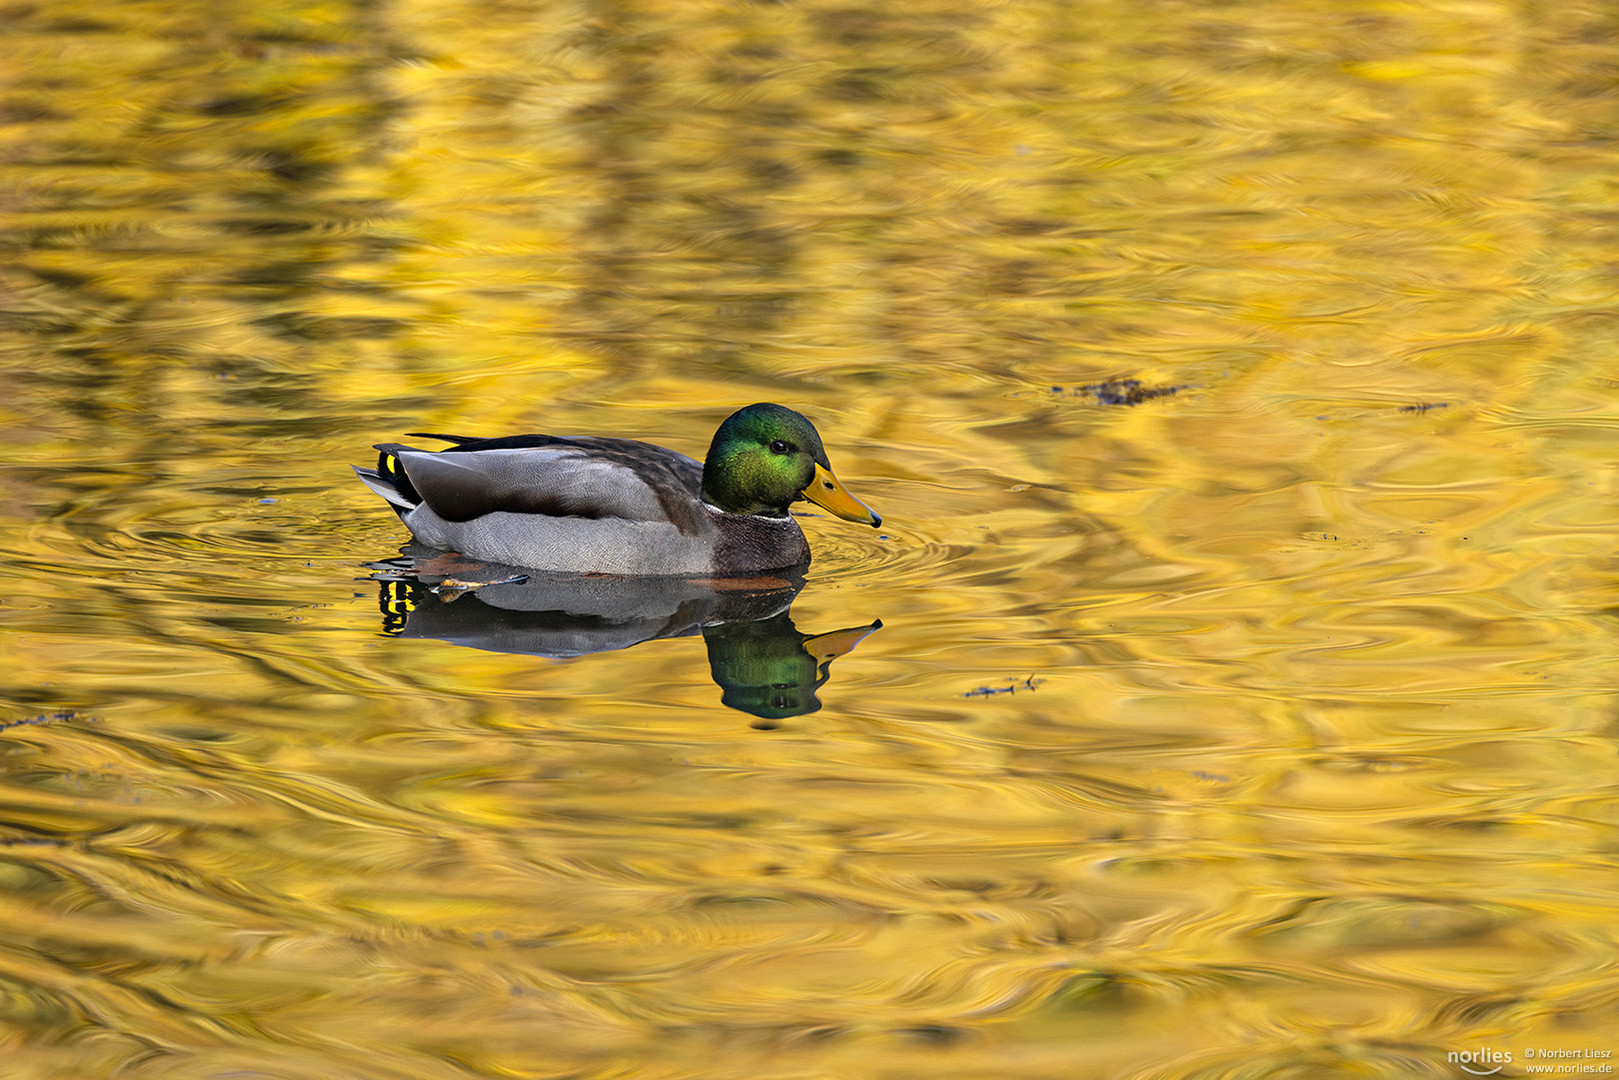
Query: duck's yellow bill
[825, 491]
[829, 646]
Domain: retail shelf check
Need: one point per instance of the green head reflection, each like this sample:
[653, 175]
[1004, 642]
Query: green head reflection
[771, 670]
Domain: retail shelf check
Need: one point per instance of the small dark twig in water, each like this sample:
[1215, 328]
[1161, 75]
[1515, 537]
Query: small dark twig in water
[45, 718]
[1122, 391]
[1424, 406]
[985, 691]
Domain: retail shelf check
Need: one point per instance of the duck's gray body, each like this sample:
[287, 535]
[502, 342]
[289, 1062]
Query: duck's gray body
[577, 504]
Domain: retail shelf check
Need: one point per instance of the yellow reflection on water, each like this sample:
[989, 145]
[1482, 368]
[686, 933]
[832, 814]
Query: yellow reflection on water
[1260, 727]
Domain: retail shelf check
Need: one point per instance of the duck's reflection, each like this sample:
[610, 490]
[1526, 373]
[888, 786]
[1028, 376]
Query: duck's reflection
[763, 664]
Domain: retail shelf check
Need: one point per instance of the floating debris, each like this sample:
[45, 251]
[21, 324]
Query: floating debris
[1425, 406]
[1120, 391]
[1015, 684]
[45, 718]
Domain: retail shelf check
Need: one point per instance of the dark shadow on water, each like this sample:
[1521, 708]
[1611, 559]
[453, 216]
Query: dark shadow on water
[762, 663]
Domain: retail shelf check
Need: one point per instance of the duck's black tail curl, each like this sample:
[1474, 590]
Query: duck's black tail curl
[389, 479]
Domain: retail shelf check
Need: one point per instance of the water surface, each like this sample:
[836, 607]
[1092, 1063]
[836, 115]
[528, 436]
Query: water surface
[1255, 719]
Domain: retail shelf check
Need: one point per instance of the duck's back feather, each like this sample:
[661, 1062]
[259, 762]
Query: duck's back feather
[555, 476]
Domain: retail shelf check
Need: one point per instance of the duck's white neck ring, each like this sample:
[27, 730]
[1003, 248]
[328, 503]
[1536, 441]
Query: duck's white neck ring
[767, 515]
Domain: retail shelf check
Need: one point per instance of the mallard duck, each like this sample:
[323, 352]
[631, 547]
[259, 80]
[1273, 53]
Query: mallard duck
[617, 506]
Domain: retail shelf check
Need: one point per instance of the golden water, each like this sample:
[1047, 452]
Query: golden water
[1265, 728]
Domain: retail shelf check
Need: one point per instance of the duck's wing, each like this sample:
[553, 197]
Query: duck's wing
[553, 476]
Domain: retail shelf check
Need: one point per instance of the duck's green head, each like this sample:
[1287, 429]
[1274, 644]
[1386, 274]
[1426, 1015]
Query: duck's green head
[764, 457]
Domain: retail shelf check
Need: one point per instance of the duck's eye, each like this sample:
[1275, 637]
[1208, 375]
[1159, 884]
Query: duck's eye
[779, 447]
